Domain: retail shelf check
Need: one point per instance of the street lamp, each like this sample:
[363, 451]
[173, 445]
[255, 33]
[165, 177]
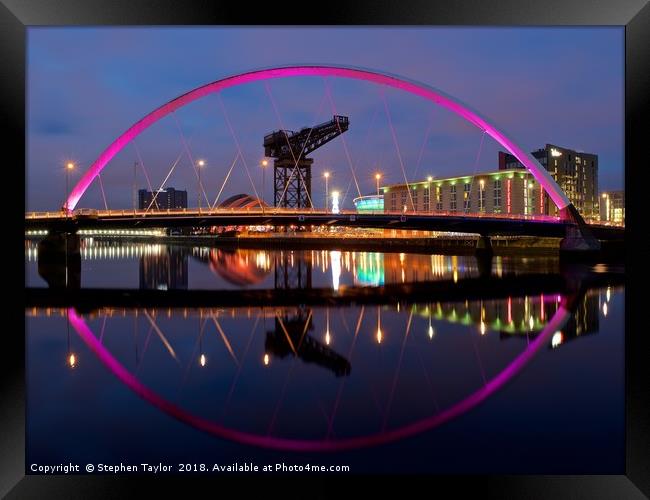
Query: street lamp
[327, 176]
[377, 177]
[264, 163]
[68, 168]
[607, 216]
[201, 164]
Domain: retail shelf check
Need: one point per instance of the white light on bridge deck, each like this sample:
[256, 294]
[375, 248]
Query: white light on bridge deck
[335, 202]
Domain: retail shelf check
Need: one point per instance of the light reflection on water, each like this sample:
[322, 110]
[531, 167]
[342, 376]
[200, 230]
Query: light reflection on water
[322, 374]
[159, 266]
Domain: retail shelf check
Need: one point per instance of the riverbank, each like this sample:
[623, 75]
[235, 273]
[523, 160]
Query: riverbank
[446, 245]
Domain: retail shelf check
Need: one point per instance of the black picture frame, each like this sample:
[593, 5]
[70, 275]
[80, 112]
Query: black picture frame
[17, 15]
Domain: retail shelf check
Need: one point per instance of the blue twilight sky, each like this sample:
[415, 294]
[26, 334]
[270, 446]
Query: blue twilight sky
[88, 85]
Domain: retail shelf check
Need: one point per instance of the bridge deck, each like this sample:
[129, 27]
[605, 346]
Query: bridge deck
[484, 224]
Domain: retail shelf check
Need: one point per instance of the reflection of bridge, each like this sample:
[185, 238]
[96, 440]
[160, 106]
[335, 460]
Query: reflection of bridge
[565, 309]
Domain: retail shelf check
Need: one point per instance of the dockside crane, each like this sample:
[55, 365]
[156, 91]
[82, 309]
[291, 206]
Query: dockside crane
[291, 166]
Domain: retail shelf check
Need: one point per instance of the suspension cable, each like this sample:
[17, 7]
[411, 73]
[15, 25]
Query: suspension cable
[471, 186]
[296, 161]
[101, 186]
[144, 170]
[234, 136]
[164, 181]
[399, 155]
[345, 145]
[424, 143]
[189, 155]
[232, 165]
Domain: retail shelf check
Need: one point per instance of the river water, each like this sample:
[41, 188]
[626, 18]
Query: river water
[526, 381]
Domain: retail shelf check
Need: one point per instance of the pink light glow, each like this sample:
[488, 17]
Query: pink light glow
[429, 93]
[557, 322]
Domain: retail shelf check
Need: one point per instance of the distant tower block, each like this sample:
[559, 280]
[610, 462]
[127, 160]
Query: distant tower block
[292, 168]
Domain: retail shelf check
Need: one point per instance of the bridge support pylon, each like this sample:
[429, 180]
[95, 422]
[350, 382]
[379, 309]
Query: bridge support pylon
[579, 239]
[484, 245]
[484, 255]
[59, 260]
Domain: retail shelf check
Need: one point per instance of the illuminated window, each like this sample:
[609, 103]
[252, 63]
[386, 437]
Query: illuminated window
[426, 198]
[497, 196]
[393, 201]
[438, 198]
[481, 196]
[466, 199]
[452, 203]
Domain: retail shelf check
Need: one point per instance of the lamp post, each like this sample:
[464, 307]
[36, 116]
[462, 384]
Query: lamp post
[201, 164]
[327, 176]
[607, 216]
[377, 177]
[264, 163]
[68, 168]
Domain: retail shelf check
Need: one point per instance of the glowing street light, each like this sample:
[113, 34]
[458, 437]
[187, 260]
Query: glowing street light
[201, 164]
[380, 335]
[69, 167]
[264, 163]
[327, 176]
[429, 178]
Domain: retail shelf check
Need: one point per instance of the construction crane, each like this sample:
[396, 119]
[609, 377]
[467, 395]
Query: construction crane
[291, 167]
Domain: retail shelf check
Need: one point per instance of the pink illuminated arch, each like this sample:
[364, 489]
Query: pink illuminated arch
[422, 90]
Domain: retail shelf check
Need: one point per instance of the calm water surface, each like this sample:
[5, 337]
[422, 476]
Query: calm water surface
[523, 383]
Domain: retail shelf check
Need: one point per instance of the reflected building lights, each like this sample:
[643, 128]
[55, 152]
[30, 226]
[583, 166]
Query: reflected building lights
[203, 360]
[380, 335]
[335, 257]
[557, 339]
[266, 359]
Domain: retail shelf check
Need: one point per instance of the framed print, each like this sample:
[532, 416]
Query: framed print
[384, 242]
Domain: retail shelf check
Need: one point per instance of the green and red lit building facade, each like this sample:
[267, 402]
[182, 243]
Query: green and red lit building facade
[502, 192]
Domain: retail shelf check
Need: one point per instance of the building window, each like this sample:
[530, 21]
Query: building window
[414, 197]
[438, 198]
[481, 196]
[393, 201]
[452, 203]
[426, 198]
[466, 199]
[404, 193]
[497, 196]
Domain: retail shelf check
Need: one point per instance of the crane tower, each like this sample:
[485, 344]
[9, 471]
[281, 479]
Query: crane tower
[291, 167]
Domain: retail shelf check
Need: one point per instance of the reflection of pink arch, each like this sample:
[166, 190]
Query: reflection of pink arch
[556, 323]
[429, 93]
